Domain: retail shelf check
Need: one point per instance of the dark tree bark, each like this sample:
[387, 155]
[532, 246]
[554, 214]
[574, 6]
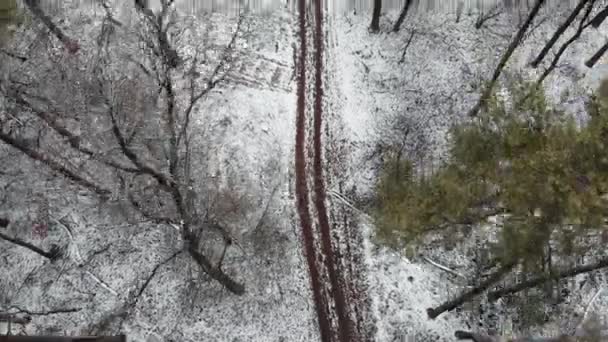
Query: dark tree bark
[599, 18]
[581, 27]
[402, 15]
[596, 57]
[505, 58]
[494, 295]
[558, 33]
[375, 25]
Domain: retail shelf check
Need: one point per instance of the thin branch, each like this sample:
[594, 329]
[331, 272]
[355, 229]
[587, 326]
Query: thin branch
[53, 164]
[13, 55]
[212, 82]
[591, 301]
[45, 313]
[34, 7]
[51, 255]
[407, 45]
[483, 18]
[444, 268]
[102, 283]
[72, 139]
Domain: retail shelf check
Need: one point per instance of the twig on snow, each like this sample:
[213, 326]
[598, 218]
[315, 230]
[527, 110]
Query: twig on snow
[442, 267]
[348, 204]
[102, 283]
[584, 319]
[43, 313]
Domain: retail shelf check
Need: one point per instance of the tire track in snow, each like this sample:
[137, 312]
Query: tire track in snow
[302, 188]
[329, 284]
[337, 289]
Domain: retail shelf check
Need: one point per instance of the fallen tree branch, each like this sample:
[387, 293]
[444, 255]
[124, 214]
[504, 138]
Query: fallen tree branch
[586, 313]
[477, 337]
[9, 317]
[468, 295]
[444, 268]
[494, 295]
[44, 313]
[53, 254]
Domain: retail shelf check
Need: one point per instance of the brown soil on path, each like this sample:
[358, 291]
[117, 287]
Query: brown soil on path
[344, 324]
[331, 272]
[302, 188]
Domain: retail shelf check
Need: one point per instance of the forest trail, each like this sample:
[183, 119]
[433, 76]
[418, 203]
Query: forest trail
[335, 276]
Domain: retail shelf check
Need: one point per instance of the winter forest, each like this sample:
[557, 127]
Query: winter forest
[290, 170]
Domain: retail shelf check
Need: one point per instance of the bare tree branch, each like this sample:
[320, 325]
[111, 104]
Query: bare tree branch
[53, 164]
[51, 255]
[560, 30]
[34, 6]
[505, 58]
[581, 27]
[483, 18]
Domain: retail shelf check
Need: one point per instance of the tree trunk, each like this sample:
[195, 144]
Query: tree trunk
[505, 58]
[402, 15]
[375, 25]
[494, 295]
[599, 18]
[558, 33]
[596, 57]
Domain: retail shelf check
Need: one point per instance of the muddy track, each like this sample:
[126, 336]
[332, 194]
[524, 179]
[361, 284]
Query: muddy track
[329, 284]
[302, 186]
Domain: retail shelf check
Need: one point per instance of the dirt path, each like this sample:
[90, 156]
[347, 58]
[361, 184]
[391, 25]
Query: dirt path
[302, 186]
[333, 290]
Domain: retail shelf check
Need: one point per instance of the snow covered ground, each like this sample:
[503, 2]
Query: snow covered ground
[248, 127]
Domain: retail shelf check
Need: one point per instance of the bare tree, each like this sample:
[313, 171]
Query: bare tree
[124, 123]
